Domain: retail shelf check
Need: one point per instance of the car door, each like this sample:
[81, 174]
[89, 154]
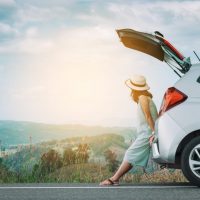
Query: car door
[155, 45]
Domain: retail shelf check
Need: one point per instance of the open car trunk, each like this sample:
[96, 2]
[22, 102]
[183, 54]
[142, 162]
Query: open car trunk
[157, 46]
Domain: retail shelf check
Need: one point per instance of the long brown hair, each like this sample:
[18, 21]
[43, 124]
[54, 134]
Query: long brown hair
[136, 93]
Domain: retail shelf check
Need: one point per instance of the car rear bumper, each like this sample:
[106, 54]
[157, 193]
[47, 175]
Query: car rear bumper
[169, 135]
[156, 154]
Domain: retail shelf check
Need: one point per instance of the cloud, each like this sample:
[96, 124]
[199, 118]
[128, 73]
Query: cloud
[7, 3]
[7, 10]
[177, 20]
[166, 12]
[7, 31]
[28, 46]
[32, 32]
[47, 3]
[31, 43]
[32, 13]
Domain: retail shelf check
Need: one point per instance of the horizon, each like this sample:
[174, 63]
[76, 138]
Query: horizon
[69, 124]
[26, 132]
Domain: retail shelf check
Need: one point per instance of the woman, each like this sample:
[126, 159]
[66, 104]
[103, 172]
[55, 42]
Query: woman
[138, 153]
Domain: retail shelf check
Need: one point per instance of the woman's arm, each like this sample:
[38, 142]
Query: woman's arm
[144, 102]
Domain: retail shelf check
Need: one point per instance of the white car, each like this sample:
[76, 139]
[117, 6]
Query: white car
[177, 143]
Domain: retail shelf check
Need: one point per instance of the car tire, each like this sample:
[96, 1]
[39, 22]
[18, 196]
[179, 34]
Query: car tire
[190, 161]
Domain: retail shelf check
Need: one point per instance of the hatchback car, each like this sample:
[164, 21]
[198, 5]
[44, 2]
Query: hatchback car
[177, 129]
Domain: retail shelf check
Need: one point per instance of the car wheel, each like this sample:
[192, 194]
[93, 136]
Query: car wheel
[190, 161]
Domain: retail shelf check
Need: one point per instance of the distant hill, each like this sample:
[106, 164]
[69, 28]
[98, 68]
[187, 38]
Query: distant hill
[27, 157]
[19, 132]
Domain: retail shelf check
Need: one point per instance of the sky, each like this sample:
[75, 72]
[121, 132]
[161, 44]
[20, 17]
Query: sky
[61, 61]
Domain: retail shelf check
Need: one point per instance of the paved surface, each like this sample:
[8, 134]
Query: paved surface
[93, 191]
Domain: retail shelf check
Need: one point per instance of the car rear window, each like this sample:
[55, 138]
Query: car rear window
[198, 79]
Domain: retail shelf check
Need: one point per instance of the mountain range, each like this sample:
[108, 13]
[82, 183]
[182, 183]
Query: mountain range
[21, 132]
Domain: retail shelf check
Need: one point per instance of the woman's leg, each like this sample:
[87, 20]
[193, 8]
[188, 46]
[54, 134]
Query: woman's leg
[123, 169]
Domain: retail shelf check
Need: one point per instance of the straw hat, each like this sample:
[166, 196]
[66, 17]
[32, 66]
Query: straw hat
[137, 82]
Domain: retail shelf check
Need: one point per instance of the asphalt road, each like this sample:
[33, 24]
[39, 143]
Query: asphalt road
[93, 191]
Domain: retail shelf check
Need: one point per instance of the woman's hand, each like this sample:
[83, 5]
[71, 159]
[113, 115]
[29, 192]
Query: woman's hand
[151, 139]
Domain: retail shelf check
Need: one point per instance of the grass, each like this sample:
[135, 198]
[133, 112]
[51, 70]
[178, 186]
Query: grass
[161, 176]
[95, 173]
[81, 173]
[92, 173]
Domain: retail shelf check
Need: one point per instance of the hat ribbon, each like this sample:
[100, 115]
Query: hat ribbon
[137, 85]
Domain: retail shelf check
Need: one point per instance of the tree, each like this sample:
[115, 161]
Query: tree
[50, 161]
[111, 159]
[82, 153]
[69, 156]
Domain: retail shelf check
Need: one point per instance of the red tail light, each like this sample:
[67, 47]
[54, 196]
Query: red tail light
[171, 98]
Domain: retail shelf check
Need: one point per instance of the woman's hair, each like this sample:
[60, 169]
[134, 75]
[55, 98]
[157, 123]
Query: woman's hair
[136, 93]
